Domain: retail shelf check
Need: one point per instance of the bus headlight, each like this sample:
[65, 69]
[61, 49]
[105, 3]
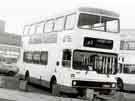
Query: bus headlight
[74, 83]
[113, 85]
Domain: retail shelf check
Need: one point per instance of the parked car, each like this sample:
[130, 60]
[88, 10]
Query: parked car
[8, 69]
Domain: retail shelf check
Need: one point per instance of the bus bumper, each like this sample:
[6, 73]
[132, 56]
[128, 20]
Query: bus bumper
[75, 88]
[94, 84]
[68, 89]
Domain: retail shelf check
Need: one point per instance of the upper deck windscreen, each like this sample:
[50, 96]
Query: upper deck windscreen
[98, 23]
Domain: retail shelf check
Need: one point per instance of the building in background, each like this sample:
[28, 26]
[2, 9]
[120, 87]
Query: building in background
[126, 68]
[127, 44]
[9, 45]
[127, 37]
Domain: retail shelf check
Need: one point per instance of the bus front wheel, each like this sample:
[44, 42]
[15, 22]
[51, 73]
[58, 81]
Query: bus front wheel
[120, 84]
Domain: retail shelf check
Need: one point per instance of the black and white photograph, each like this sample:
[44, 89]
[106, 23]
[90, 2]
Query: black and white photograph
[67, 50]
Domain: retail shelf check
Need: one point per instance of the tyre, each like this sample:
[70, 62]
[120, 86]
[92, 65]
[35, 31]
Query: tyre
[120, 84]
[54, 88]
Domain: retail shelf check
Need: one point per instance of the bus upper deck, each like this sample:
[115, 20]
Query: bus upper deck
[89, 27]
[84, 18]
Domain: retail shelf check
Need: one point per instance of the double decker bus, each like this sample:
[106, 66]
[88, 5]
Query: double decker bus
[126, 69]
[73, 51]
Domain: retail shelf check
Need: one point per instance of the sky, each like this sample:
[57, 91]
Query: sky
[18, 13]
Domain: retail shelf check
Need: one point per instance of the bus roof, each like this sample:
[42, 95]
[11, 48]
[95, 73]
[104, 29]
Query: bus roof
[98, 11]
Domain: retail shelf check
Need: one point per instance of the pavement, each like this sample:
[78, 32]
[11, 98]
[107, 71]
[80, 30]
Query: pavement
[9, 91]
[14, 95]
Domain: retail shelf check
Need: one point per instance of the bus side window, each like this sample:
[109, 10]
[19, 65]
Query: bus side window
[26, 30]
[59, 24]
[36, 57]
[70, 21]
[32, 29]
[49, 26]
[44, 58]
[66, 59]
[27, 57]
[40, 28]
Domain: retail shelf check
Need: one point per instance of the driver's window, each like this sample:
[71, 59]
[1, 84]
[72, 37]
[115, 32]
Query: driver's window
[66, 59]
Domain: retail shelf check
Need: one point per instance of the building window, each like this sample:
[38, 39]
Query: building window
[59, 24]
[70, 21]
[66, 60]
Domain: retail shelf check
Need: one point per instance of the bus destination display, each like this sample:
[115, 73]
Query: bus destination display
[98, 43]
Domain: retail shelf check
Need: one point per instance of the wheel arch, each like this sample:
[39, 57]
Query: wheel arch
[53, 78]
[118, 78]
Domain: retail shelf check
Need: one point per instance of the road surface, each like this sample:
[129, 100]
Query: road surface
[12, 83]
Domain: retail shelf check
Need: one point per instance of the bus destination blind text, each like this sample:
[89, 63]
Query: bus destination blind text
[98, 43]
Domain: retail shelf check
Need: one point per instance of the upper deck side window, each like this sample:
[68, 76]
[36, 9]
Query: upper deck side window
[99, 23]
[49, 26]
[32, 29]
[40, 28]
[59, 24]
[26, 30]
[70, 21]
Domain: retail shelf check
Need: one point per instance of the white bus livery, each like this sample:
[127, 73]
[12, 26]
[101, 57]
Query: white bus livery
[126, 70]
[73, 51]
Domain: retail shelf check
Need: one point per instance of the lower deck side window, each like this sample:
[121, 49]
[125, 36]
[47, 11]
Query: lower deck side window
[27, 57]
[36, 57]
[44, 58]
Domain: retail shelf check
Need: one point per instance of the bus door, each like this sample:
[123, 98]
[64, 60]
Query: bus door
[64, 71]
